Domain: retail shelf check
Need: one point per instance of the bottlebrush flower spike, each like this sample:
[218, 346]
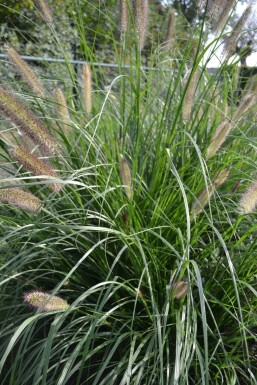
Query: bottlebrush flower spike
[26, 121]
[207, 193]
[125, 176]
[44, 301]
[20, 198]
[179, 289]
[248, 201]
[218, 13]
[190, 94]
[45, 10]
[62, 109]
[140, 11]
[87, 88]
[171, 28]
[247, 102]
[36, 166]
[218, 138]
[231, 41]
[124, 16]
[27, 74]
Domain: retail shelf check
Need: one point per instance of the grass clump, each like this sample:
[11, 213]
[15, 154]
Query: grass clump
[154, 250]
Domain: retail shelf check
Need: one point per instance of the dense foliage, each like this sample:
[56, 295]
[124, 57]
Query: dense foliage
[127, 221]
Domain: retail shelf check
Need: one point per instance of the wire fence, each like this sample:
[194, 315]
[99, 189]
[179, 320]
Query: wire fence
[81, 62]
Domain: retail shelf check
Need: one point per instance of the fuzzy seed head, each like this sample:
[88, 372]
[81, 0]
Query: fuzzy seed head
[87, 88]
[221, 177]
[248, 201]
[62, 109]
[44, 301]
[190, 94]
[218, 13]
[26, 121]
[179, 289]
[140, 11]
[21, 199]
[171, 28]
[208, 192]
[45, 11]
[124, 16]
[218, 138]
[246, 103]
[36, 166]
[27, 74]
[231, 40]
[125, 176]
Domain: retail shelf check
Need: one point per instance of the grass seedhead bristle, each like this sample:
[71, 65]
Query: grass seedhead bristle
[28, 123]
[171, 30]
[125, 176]
[248, 201]
[62, 110]
[45, 302]
[36, 166]
[123, 17]
[19, 198]
[87, 89]
[140, 11]
[27, 74]
[45, 10]
[208, 192]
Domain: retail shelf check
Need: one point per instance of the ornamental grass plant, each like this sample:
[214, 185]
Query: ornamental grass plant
[127, 236]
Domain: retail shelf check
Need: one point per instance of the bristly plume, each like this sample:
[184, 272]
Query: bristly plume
[219, 14]
[179, 289]
[124, 17]
[190, 94]
[214, 8]
[207, 193]
[231, 40]
[218, 138]
[21, 199]
[248, 201]
[36, 166]
[62, 110]
[246, 103]
[44, 301]
[44, 10]
[125, 176]
[27, 74]
[87, 88]
[26, 121]
[201, 4]
[140, 11]
[171, 29]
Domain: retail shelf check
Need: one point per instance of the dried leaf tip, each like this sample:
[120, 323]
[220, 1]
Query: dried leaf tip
[27, 74]
[123, 16]
[44, 10]
[171, 28]
[44, 301]
[87, 88]
[125, 176]
[21, 199]
[140, 11]
[36, 166]
[248, 201]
